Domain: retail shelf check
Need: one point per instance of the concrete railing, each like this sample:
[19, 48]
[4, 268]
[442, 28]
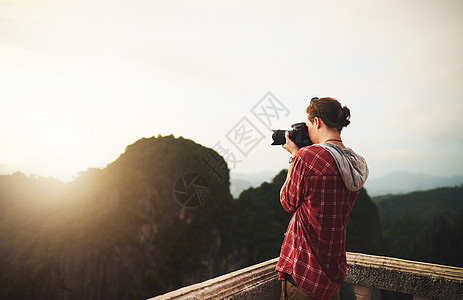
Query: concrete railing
[365, 272]
[254, 282]
[423, 280]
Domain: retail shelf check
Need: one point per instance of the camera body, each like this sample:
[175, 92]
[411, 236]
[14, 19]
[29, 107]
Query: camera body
[299, 135]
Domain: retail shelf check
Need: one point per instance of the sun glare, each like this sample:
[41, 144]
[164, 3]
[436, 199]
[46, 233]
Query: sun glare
[53, 140]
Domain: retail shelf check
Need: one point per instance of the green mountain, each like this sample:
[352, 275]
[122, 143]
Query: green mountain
[364, 228]
[424, 225]
[152, 221]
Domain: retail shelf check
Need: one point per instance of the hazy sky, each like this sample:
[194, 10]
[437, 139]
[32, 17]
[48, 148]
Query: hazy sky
[82, 79]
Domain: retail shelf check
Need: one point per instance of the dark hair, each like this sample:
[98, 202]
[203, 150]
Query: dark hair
[330, 111]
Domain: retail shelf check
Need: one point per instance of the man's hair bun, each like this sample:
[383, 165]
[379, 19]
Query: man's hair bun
[344, 116]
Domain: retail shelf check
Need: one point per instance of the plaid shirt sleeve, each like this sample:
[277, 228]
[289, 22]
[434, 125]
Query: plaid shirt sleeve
[293, 189]
[313, 250]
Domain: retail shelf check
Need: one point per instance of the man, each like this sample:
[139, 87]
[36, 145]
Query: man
[323, 182]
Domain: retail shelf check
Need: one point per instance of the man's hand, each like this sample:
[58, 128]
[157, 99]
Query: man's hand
[290, 146]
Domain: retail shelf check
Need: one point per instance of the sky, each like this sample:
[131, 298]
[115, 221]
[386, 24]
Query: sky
[80, 80]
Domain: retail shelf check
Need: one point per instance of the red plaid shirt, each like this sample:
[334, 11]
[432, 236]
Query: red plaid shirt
[313, 250]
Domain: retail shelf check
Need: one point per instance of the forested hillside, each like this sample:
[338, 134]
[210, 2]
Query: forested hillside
[159, 217]
[118, 233]
[425, 226]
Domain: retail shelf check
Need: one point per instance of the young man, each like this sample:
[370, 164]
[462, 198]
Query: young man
[323, 182]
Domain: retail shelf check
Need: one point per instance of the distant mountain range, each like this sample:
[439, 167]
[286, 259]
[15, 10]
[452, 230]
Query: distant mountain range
[243, 181]
[393, 183]
[404, 182]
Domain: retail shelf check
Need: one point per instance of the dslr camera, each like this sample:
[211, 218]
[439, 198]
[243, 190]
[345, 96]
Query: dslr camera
[299, 135]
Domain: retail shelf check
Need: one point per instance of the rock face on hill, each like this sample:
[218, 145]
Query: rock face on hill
[158, 218]
[153, 220]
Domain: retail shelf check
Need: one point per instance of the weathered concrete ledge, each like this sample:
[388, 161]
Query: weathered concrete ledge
[404, 276]
[255, 282]
[410, 277]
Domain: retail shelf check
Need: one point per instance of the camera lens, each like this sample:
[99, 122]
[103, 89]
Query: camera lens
[278, 137]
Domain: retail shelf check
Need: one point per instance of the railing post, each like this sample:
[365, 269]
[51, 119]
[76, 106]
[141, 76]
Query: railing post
[362, 292]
